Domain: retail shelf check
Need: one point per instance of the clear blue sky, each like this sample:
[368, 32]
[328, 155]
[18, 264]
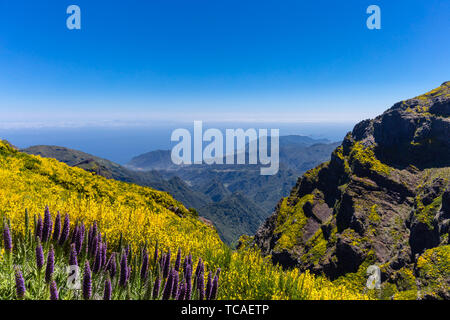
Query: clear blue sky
[221, 60]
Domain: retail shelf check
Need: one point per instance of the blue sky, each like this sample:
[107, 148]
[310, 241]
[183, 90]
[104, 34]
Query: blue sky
[139, 61]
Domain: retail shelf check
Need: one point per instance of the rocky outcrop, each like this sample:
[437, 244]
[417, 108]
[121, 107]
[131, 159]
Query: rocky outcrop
[383, 198]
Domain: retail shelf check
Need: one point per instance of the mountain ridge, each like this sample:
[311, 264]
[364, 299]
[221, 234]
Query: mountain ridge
[381, 199]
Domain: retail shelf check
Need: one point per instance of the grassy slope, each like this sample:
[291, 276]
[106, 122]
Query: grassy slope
[142, 215]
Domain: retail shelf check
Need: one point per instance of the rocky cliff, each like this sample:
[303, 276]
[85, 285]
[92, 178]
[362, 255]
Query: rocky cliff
[382, 199]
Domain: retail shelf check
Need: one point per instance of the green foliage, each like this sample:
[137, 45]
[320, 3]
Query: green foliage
[365, 157]
[433, 267]
[291, 220]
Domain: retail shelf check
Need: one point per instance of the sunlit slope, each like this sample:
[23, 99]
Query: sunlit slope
[140, 213]
[143, 215]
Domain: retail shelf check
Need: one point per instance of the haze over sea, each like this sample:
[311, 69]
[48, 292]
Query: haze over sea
[120, 143]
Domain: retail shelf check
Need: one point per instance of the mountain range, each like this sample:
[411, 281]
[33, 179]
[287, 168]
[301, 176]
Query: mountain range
[235, 198]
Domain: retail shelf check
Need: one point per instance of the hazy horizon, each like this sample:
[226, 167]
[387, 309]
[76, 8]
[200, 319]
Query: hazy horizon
[121, 144]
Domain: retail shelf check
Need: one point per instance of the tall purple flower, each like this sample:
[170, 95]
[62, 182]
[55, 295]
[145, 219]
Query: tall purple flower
[144, 266]
[178, 260]
[208, 286]
[20, 284]
[39, 256]
[98, 260]
[123, 270]
[38, 231]
[7, 240]
[182, 293]
[94, 247]
[201, 286]
[215, 286]
[65, 230]
[166, 265]
[53, 291]
[94, 229]
[57, 228]
[168, 287]
[46, 229]
[174, 283]
[108, 290]
[73, 259]
[74, 234]
[188, 282]
[79, 238]
[112, 265]
[156, 287]
[200, 267]
[87, 281]
[50, 264]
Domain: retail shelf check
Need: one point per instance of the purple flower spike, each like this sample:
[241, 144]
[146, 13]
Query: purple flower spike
[108, 290]
[65, 230]
[94, 247]
[123, 270]
[199, 268]
[214, 288]
[178, 261]
[174, 284]
[182, 292]
[166, 266]
[208, 286]
[50, 264]
[156, 287]
[53, 291]
[144, 267]
[188, 282]
[168, 287]
[98, 260]
[201, 286]
[39, 226]
[20, 284]
[39, 256]
[79, 238]
[74, 234]
[57, 228]
[87, 282]
[73, 260]
[94, 229]
[7, 240]
[112, 265]
[46, 230]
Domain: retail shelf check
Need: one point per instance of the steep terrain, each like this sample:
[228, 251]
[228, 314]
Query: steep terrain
[383, 199]
[234, 210]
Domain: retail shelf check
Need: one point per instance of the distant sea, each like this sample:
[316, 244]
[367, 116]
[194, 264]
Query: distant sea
[120, 144]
